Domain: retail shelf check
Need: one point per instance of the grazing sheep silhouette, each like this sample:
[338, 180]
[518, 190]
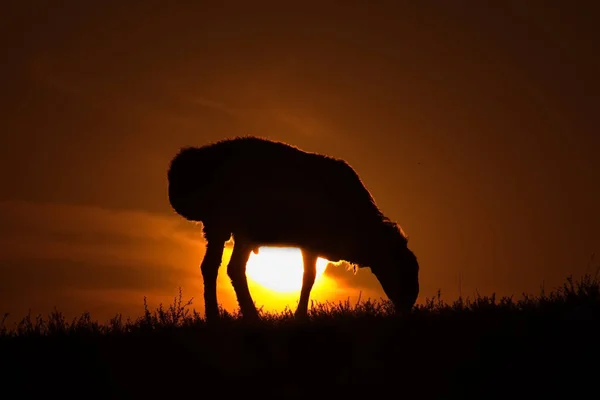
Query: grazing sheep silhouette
[263, 192]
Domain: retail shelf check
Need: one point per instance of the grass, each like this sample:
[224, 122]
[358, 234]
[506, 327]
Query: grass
[481, 347]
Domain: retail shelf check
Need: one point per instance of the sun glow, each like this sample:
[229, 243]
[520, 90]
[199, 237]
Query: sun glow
[280, 269]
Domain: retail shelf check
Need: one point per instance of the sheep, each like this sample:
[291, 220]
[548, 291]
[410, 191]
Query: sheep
[267, 193]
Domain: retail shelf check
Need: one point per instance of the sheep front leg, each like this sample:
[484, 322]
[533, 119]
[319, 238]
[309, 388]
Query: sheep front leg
[210, 269]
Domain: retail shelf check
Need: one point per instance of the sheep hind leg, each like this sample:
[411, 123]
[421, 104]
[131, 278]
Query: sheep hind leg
[236, 269]
[308, 280]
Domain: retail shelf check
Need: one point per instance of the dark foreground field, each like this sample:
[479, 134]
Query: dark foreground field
[484, 348]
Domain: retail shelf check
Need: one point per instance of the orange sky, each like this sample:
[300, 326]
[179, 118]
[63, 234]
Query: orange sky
[475, 128]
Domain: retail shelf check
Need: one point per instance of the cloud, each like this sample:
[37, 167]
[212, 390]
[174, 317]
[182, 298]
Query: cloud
[345, 277]
[256, 106]
[218, 106]
[90, 224]
[266, 108]
[42, 284]
[303, 123]
[51, 252]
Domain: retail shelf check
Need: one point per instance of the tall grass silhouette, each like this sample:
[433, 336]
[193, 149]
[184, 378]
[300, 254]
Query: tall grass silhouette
[484, 346]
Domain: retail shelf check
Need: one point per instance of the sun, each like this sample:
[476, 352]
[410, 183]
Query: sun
[280, 269]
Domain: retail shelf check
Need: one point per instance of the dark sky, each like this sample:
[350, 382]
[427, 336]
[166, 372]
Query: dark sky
[475, 127]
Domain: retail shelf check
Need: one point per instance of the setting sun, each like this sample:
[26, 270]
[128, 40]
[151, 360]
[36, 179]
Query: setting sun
[280, 269]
